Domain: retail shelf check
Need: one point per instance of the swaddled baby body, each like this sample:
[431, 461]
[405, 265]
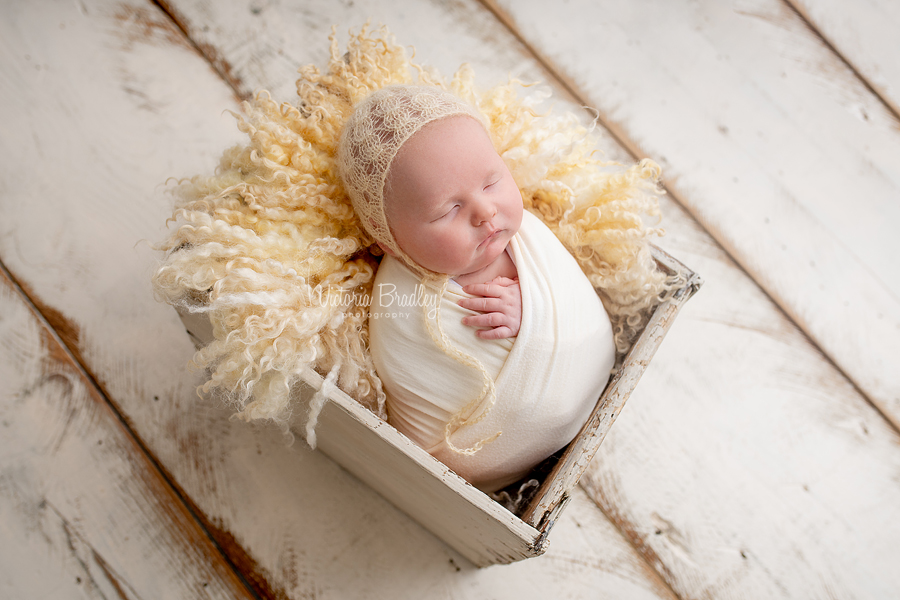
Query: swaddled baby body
[492, 345]
[547, 379]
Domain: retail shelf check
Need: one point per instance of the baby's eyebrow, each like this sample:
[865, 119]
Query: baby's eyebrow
[494, 170]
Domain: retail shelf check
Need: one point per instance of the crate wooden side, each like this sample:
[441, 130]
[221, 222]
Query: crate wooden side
[448, 506]
[461, 515]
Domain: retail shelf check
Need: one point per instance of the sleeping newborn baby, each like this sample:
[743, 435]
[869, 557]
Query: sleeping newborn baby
[492, 345]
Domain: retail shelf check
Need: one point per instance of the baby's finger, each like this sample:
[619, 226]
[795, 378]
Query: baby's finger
[504, 281]
[495, 334]
[484, 304]
[484, 289]
[493, 319]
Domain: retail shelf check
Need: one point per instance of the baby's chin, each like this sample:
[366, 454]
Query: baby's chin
[484, 262]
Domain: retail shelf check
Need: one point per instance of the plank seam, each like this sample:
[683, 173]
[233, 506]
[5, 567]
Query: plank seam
[555, 73]
[221, 66]
[637, 153]
[77, 362]
[111, 576]
[803, 15]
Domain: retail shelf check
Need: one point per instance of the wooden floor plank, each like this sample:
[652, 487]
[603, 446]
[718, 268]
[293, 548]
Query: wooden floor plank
[772, 143]
[865, 35]
[105, 102]
[83, 512]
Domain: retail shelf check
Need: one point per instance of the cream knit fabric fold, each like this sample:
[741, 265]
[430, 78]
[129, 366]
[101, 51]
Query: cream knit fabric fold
[372, 136]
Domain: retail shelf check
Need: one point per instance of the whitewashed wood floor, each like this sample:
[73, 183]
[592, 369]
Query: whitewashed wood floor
[759, 456]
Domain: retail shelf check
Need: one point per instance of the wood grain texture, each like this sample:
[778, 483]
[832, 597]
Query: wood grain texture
[105, 101]
[743, 359]
[261, 44]
[769, 140]
[83, 512]
[745, 465]
[737, 413]
[865, 35]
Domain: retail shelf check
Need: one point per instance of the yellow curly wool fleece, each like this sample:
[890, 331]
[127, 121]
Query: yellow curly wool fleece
[271, 249]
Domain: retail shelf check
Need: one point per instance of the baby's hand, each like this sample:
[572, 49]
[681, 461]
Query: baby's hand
[500, 305]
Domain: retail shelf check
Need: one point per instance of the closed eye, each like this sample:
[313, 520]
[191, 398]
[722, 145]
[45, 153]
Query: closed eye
[492, 179]
[448, 213]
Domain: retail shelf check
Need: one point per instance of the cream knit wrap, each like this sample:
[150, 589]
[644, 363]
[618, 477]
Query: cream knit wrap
[372, 136]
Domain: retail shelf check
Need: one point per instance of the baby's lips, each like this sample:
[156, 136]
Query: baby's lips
[489, 237]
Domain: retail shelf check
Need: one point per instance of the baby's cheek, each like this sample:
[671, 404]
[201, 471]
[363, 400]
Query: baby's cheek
[454, 250]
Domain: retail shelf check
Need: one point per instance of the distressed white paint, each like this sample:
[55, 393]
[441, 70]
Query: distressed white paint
[265, 42]
[414, 481]
[83, 513]
[734, 416]
[772, 144]
[865, 34]
[118, 105]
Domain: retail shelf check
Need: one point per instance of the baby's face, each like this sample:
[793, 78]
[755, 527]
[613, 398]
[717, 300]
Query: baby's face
[450, 201]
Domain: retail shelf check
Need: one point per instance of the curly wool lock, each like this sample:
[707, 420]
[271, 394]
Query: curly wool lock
[270, 248]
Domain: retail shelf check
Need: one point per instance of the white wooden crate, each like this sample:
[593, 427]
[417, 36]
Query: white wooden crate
[461, 515]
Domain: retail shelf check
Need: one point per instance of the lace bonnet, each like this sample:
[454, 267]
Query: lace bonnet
[372, 136]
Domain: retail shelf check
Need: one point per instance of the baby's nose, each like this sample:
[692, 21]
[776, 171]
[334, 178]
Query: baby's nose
[483, 213]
